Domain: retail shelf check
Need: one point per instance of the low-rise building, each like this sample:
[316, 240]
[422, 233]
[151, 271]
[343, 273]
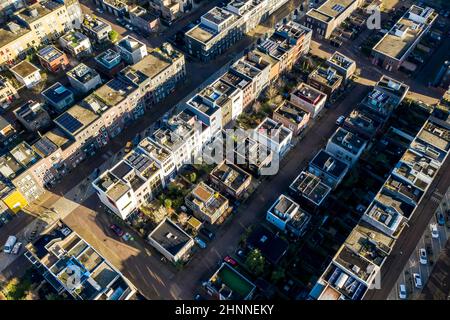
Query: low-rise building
[346, 146]
[207, 112]
[288, 216]
[53, 59]
[329, 16]
[33, 116]
[362, 123]
[171, 241]
[169, 10]
[231, 179]
[345, 66]
[397, 44]
[76, 43]
[206, 203]
[131, 49]
[325, 79]
[274, 136]
[116, 7]
[8, 134]
[7, 93]
[229, 284]
[27, 73]
[308, 99]
[144, 20]
[291, 116]
[329, 168]
[161, 155]
[309, 187]
[252, 11]
[242, 83]
[271, 246]
[96, 29]
[58, 96]
[60, 252]
[109, 62]
[84, 78]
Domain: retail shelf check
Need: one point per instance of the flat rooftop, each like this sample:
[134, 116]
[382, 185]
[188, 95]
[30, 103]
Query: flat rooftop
[76, 119]
[231, 284]
[24, 69]
[309, 94]
[57, 92]
[50, 53]
[291, 112]
[171, 237]
[435, 135]
[390, 198]
[201, 33]
[273, 130]
[130, 43]
[230, 175]
[157, 61]
[237, 80]
[341, 61]
[343, 282]
[153, 150]
[74, 38]
[329, 164]
[82, 73]
[327, 76]
[348, 141]
[311, 187]
[114, 92]
[396, 43]
[355, 263]
[114, 187]
[198, 103]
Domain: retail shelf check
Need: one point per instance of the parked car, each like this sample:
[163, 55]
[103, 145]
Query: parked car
[423, 256]
[434, 231]
[198, 297]
[241, 253]
[200, 242]
[99, 10]
[128, 146]
[402, 292]
[440, 218]
[117, 230]
[417, 280]
[9, 245]
[16, 248]
[230, 260]
[207, 233]
[340, 120]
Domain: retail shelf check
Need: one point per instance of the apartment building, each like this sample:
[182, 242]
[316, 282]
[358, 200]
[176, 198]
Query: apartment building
[33, 116]
[131, 183]
[230, 179]
[83, 78]
[7, 93]
[171, 241]
[242, 83]
[36, 24]
[329, 168]
[76, 43]
[131, 49]
[288, 216]
[207, 112]
[156, 74]
[116, 7]
[206, 203]
[162, 156]
[274, 136]
[345, 66]
[168, 9]
[26, 73]
[95, 28]
[53, 59]
[397, 44]
[325, 79]
[364, 124]
[329, 16]
[309, 99]
[59, 97]
[255, 69]
[291, 116]
[346, 146]
[287, 44]
[309, 189]
[144, 20]
[59, 250]
[109, 62]
[8, 133]
[252, 11]
[217, 31]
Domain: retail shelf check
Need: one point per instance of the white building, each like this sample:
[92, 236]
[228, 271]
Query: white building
[84, 78]
[346, 146]
[274, 136]
[131, 49]
[27, 73]
[76, 43]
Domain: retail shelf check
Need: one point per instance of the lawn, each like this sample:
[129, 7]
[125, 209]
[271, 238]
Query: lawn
[235, 282]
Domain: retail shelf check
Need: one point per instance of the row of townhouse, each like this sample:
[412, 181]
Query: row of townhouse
[357, 264]
[200, 126]
[90, 124]
[35, 24]
[220, 28]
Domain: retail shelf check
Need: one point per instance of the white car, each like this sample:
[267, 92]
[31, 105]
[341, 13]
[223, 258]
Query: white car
[340, 120]
[417, 280]
[402, 292]
[434, 231]
[16, 248]
[423, 256]
[99, 10]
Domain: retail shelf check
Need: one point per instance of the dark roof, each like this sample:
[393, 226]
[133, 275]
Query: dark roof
[271, 246]
[170, 236]
[3, 123]
[326, 162]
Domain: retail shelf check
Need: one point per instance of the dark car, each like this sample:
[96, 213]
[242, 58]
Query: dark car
[117, 230]
[207, 233]
[440, 219]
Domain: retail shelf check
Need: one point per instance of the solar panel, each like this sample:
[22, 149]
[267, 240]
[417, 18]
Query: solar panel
[70, 123]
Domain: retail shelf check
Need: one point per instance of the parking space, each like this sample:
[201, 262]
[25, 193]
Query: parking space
[433, 243]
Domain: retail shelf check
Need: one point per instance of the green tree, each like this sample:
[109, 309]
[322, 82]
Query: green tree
[168, 203]
[255, 262]
[113, 36]
[278, 274]
[193, 177]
